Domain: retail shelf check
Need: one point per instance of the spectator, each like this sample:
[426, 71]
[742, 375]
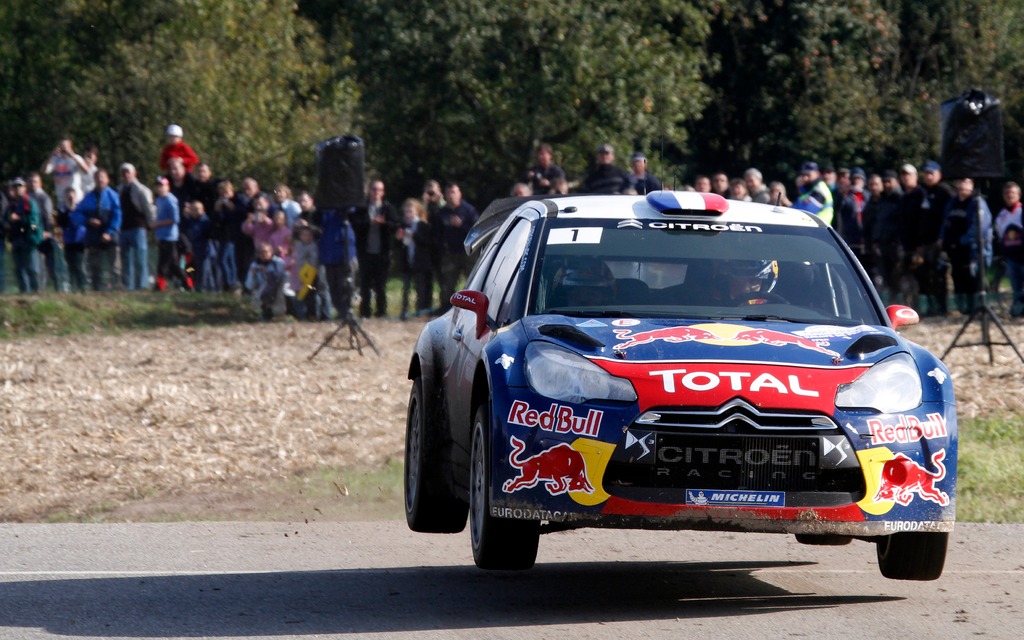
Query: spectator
[102, 210]
[206, 187]
[283, 201]
[227, 221]
[1010, 232]
[849, 207]
[777, 194]
[720, 183]
[183, 184]
[203, 263]
[91, 156]
[702, 184]
[137, 212]
[280, 236]
[72, 222]
[453, 225]
[310, 301]
[959, 237]
[177, 148]
[414, 259]
[166, 230]
[521, 190]
[307, 206]
[246, 203]
[3, 236]
[266, 280]
[738, 190]
[815, 196]
[933, 267]
[543, 175]
[49, 249]
[258, 224]
[560, 186]
[640, 180]
[374, 226]
[25, 229]
[886, 230]
[756, 187]
[910, 216]
[605, 177]
[67, 168]
[337, 251]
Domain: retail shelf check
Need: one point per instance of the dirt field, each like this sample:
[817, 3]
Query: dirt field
[219, 422]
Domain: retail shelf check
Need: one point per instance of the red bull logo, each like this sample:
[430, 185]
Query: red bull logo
[557, 419]
[729, 335]
[669, 334]
[909, 429]
[561, 468]
[780, 339]
[902, 479]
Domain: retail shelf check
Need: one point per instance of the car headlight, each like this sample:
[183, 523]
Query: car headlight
[562, 375]
[891, 386]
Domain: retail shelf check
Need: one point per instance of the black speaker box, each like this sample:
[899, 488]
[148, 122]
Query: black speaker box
[972, 136]
[340, 166]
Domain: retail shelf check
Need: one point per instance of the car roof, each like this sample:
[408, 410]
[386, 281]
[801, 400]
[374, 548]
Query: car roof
[690, 206]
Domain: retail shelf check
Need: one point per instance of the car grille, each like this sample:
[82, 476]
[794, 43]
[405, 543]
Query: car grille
[667, 451]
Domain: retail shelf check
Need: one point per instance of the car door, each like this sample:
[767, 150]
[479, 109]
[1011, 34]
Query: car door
[465, 347]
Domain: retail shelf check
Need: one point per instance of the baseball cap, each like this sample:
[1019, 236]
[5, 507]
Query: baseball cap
[858, 173]
[637, 156]
[909, 168]
[889, 174]
[162, 180]
[175, 130]
[605, 148]
[126, 166]
[18, 182]
[931, 165]
[808, 167]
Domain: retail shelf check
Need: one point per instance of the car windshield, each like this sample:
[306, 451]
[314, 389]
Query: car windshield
[649, 268]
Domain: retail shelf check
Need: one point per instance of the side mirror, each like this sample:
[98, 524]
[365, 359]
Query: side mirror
[475, 301]
[901, 316]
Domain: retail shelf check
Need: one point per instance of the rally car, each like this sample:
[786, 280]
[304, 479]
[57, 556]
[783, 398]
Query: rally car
[681, 361]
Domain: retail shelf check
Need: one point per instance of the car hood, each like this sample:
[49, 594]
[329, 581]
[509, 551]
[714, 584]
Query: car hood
[656, 339]
[771, 365]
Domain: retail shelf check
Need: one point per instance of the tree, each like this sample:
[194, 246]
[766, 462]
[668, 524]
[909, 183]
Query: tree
[467, 89]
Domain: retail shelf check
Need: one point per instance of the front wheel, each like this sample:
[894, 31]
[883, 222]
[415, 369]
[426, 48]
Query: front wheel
[498, 543]
[429, 506]
[912, 555]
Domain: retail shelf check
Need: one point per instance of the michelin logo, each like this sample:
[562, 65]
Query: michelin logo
[736, 498]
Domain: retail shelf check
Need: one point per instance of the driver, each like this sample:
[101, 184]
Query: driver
[587, 283]
[751, 281]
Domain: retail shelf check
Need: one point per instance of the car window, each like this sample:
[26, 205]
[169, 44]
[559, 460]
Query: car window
[658, 269]
[504, 269]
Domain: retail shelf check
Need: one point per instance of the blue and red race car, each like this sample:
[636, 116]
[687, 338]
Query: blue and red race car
[677, 361]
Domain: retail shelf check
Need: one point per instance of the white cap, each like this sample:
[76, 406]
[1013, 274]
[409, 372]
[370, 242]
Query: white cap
[175, 130]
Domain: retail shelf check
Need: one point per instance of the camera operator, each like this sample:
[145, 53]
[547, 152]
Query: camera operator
[68, 168]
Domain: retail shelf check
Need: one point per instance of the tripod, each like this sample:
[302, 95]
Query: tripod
[355, 333]
[983, 312]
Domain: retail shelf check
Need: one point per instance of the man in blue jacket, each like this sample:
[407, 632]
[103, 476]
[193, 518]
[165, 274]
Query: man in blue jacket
[102, 210]
[26, 233]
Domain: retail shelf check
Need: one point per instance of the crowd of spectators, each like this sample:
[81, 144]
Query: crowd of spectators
[912, 235]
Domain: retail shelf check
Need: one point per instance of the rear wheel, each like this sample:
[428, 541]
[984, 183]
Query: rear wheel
[429, 506]
[498, 543]
[912, 556]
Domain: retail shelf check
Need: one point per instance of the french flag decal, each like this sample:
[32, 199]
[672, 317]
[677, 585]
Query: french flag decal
[673, 201]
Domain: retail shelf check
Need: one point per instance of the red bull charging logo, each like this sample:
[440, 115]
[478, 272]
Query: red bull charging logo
[561, 468]
[722, 334]
[902, 479]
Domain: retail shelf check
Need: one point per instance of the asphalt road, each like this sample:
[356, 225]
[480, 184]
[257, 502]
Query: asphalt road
[242, 580]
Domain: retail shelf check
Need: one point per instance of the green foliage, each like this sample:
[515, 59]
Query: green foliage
[246, 79]
[467, 89]
[990, 485]
[65, 314]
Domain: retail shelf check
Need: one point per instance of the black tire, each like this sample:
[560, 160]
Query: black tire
[912, 556]
[429, 506]
[498, 543]
[823, 539]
